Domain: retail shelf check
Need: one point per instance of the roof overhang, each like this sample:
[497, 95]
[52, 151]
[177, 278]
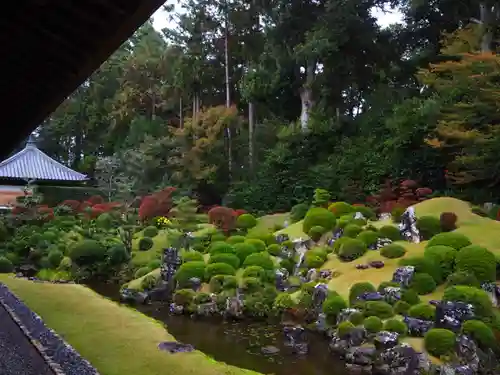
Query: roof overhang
[50, 47]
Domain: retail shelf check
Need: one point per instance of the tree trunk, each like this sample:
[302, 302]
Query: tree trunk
[181, 113]
[251, 127]
[306, 96]
[228, 91]
[487, 15]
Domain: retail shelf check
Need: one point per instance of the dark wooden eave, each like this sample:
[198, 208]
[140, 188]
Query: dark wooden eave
[49, 47]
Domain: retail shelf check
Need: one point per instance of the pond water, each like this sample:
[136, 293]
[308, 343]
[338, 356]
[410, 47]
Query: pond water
[239, 343]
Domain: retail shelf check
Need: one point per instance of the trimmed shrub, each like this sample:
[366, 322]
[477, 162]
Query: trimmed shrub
[6, 265]
[229, 282]
[55, 257]
[401, 307]
[428, 226]
[448, 221]
[251, 284]
[373, 324]
[452, 239]
[149, 282]
[221, 247]
[274, 249]
[233, 240]
[478, 261]
[358, 289]
[287, 264]
[246, 221]
[216, 237]
[189, 270]
[318, 216]
[316, 233]
[230, 259]
[65, 264]
[424, 265]
[356, 318]
[341, 208]
[365, 211]
[423, 283]
[333, 305]
[351, 250]
[393, 251]
[283, 302]
[150, 232]
[439, 342]
[344, 328]
[380, 309]
[141, 272]
[352, 230]
[478, 298]
[395, 325]
[298, 212]
[396, 213]
[259, 259]
[218, 269]
[243, 250]
[145, 243]
[87, 252]
[410, 296]
[424, 311]
[368, 237]
[184, 297]
[192, 256]
[462, 278]
[444, 256]
[480, 333]
[154, 264]
[390, 232]
[338, 244]
[255, 271]
[258, 244]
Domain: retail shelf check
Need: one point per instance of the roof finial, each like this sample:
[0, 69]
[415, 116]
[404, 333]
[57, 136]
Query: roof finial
[31, 141]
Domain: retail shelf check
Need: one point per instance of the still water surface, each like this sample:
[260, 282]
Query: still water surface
[239, 343]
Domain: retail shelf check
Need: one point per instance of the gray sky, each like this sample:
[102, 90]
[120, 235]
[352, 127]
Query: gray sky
[160, 18]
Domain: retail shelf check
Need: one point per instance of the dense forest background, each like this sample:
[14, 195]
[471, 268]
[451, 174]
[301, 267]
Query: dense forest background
[255, 103]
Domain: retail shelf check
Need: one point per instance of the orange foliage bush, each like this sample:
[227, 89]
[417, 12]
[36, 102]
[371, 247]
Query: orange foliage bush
[156, 204]
[46, 212]
[223, 218]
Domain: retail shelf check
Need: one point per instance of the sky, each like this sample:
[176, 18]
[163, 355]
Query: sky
[160, 18]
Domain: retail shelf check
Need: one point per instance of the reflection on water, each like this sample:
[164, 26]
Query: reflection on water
[239, 343]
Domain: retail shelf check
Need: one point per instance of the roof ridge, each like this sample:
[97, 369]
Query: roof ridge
[56, 163]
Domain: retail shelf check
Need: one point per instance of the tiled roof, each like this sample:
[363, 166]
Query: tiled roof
[32, 164]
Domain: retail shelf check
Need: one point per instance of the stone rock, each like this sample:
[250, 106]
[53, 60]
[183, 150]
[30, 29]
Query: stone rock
[376, 264]
[26, 270]
[326, 274]
[234, 307]
[195, 283]
[280, 238]
[133, 296]
[362, 266]
[175, 347]
[401, 359]
[362, 356]
[371, 296]
[403, 276]
[381, 242]
[312, 275]
[321, 325]
[450, 315]
[491, 289]
[269, 350]
[385, 216]
[392, 294]
[319, 296]
[356, 336]
[386, 340]
[467, 352]
[359, 216]
[338, 346]
[345, 314]
[207, 309]
[408, 226]
[434, 302]
[176, 309]
[417, 327]
[295, 339]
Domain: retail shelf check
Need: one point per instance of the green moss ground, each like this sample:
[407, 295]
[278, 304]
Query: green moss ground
[117, 340]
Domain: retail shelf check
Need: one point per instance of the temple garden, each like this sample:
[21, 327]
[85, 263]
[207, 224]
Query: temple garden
[405, 283]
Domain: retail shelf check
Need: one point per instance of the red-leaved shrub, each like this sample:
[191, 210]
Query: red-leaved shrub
[84, 206]
[156, 204]
[95, 199]
[239, 212]
[71, 203]
[448, 221]
[391, 196]
[223, 218]
[45, 212]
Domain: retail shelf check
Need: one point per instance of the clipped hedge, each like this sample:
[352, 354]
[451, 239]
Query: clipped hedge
[218, 269]
[478, 298]
[233, 240]
[340, 208]
[298, 212]
[477, 261]
[439, 342]
[395, 325]
[145, 243]
[192, 256]
[423, 283]
[380, 309]
[452, 239]
[318, 216]
[424, 265]
[352, 230]
[351, 250]
[246, 221]
[462, 278]
[230, 259]
[254, 271]
[221, 247]
[87, 252]
[259, 259]
[480, 332]
[358, 289]
[368, 237]
[390, 232]
[424, 311]
[332, 306]
[258, 244]
[393, 251]
[316, 233]
[189, 270]
[150, 231]
[373, 324]
[6, 265]
[243, 250]
[428, 226]
[444, 256]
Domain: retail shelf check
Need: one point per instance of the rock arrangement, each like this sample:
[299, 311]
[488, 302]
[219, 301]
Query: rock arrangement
[61, 353]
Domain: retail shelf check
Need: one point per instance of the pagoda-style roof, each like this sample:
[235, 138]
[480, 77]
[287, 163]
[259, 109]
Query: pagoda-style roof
[33, 164]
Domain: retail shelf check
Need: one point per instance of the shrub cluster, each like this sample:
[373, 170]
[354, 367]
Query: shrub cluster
[150, 231]
[443, 256]
[373, 324]
[424, 311]
[395, 325]
[391, 232]
[393, 251]
[423, 283]
[380, 309]
[246, 221]
[452, 239]
[359, 289]
[424, 265]
[318, 216]
[477, 261]
[448, 221]
[145, 243]
[439, 342]
[259, 259]
[316, 233]
[352, 230]
[428, 226]
[351, 249]
[230, 259]
[368, 237]
[298, 212]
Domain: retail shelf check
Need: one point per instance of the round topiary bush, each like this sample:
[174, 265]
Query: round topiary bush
[444, 256]
[351, 250]
[368, 237]
[233, 240]
[65, 264]
[448, 221]
[338, 244]
[255, 271]
[318, 216]
[319, 252]
[230, 259]
[356, 318]
[344, 328]
[55, 257]
[258, 244]
[145, 243]
[401, 307]
[428, 226]
[105, 221]
[283, 302]
[352, 230]
[462, 278]
[141, 272]
[5, 265]
[221, 247]
[423, 283]
[424, 265]
[479, 332]
[478, 261]
[243, 250]
[251, 284]
[390, 232]
[189, 270]
[287, 264]
[192, 256]
[373, 324]
[452, 239]
[410, 296]
[150, 232]
[313, 261]
[316, 233]
[395, 325]
[365, 211]
[184, 297]
[216, 237]
[274, 249]
[340, 208]
[380, 309]
[218, 269]
[298, 212]
[393, 251]
[87, 252]
[424, 311]
[332, 306]
[259, 259]
[359, 289]
[439, 342]
[154, 264]
[246, 221]
[483, 307]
